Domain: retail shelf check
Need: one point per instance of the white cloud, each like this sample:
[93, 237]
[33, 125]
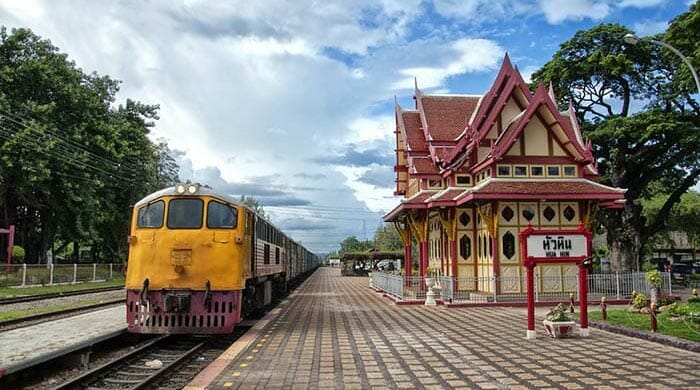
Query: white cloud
[648, 27]
[479, 11]
[558, 11]
[458, 57]
[640, 3]
[527, 72]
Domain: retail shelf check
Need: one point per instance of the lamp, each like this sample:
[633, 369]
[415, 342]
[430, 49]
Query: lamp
[633, 40]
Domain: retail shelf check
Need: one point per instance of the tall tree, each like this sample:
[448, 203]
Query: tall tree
[253, 204]
[387, 239]
[608, 82]
[70, 163]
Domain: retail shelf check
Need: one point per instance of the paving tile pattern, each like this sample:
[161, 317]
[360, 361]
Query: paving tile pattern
[336, 333]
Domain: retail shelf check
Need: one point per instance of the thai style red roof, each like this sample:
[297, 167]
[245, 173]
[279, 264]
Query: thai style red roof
[414, 133]
[448, 133]
[425, 166]
[446, 116]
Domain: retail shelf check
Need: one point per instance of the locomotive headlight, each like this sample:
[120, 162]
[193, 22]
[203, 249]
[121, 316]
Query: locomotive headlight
[192, 189]
[180, 188]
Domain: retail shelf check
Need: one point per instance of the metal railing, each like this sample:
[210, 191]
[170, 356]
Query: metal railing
[21, 275]
[512, 289]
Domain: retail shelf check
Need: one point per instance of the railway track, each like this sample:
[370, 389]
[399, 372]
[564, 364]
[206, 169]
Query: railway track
[167, 362]
[30, 298]
[36, 318]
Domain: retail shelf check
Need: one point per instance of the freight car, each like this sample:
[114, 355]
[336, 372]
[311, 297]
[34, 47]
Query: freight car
[199, 262]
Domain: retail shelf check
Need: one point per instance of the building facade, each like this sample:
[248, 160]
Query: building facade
[475, 170]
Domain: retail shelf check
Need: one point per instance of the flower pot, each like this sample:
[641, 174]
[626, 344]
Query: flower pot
[559, 329]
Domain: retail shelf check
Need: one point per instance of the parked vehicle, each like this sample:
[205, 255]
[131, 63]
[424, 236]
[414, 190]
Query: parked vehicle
[680, 273]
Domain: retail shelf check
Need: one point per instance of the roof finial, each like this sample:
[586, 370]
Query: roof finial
[506, 61]
[551, 92]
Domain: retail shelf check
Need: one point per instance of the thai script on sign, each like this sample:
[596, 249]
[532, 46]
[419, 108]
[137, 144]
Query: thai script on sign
[554, 245]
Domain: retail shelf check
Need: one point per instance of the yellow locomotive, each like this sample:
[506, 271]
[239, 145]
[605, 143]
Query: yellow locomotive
[199, 261]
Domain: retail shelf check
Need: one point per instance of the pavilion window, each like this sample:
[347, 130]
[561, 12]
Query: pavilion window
[537, 170]
[503, 170]
[553, 171]
[570, 170]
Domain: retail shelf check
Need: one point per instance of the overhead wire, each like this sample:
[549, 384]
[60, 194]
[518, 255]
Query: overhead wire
[21, 122]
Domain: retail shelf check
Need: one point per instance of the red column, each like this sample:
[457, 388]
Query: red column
[423, 260]
[408, 258]
[529, 271]
[10, 244]
[583, 291]
[453, 255]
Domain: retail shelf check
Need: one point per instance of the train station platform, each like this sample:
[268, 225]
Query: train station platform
[335, 332]
[25, 347]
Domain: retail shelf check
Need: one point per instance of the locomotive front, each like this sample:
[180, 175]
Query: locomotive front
[185, 271]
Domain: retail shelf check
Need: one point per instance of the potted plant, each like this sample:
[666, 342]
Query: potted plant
[430, 273]
[558, 322]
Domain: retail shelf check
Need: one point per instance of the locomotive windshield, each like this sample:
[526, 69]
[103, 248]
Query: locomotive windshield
[221, 216]
[185, 214]
[151, 215]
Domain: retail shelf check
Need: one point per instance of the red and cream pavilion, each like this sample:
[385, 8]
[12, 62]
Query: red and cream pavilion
[475, 170]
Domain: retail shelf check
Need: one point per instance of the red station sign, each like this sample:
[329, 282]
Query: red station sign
[556, 246]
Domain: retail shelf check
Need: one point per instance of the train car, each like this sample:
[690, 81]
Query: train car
[199, 261]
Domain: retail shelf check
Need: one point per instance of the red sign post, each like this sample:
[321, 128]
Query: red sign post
[556, 246]
[10, 243]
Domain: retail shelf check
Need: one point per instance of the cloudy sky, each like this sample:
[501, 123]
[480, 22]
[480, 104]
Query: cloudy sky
[291, 102]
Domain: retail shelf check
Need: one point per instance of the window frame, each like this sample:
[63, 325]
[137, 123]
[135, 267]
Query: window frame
[532, 170]
[145, 209]
[201, 216]
[235, 217]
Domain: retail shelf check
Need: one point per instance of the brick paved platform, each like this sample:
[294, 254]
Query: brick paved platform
[336, 333]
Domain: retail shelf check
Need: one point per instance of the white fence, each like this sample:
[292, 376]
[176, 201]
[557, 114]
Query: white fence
[504, 289]
[21, 275]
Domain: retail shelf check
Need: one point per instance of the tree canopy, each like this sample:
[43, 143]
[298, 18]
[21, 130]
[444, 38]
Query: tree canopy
[635, 103]
[72, 160]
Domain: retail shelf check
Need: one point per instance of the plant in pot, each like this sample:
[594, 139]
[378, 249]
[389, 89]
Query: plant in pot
[654, 280]
[558, 322]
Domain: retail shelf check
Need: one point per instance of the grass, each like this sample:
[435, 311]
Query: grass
[35, 290]
[667, 324]
[11, 315]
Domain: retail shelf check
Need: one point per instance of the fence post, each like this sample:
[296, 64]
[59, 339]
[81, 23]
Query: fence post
[493, 286]
[94, 272]
[24, 275]
[110, 271]
[75, 273]
[617, 284]
[670, 284]
[51, 274]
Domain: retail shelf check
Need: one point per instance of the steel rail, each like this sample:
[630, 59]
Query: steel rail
[30, 298]
[38, 317]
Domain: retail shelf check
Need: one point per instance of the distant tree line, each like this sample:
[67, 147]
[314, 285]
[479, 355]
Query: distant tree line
[72, 160]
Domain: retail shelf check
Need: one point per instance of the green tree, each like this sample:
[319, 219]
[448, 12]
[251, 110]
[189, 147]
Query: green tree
[684, 217]
[253, 204]
[351, 244]
[70, 163]
[387, 239]
[602, 77]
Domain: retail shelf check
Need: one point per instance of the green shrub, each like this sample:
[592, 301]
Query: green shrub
[664, 299]
[693, 299]
[18, 254]
[639, 301]
[654, 278]
[678, 310]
